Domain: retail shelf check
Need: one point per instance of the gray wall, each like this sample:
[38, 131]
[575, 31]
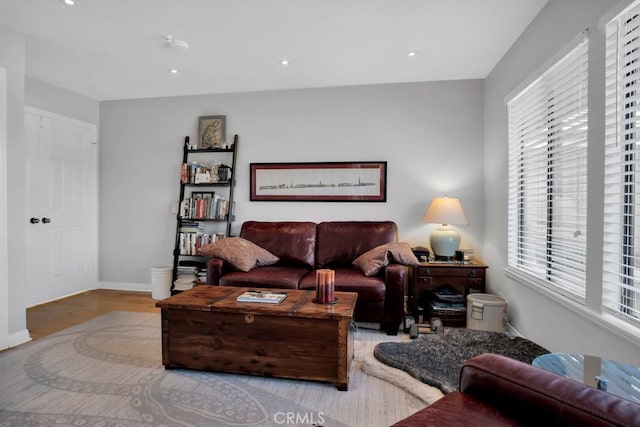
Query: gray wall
[51, 98]
[559, 326]
[22, 91]
[429, 133]
[12, 59]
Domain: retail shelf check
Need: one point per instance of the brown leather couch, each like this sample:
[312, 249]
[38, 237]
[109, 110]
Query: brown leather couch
[499, 391]
[305, 246]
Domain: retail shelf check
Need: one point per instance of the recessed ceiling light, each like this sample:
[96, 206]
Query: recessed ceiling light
[284, 62]
[69, 2]
[173, 71]
[412, 53]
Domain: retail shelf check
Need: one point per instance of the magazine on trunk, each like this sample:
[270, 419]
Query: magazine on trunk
[262, 296]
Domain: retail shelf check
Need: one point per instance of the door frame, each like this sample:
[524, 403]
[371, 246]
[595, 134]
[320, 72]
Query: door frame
[4, 250]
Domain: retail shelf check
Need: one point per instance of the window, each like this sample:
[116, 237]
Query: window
[622, 167]
[547, 209]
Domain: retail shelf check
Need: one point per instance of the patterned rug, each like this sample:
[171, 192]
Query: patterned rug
[108, 372]
[436, 359]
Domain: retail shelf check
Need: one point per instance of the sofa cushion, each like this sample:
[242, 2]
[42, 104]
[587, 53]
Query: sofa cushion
[372, 261]
[242, 254]
[273, 276]
[351, 280]
[292, 242]
[340, 242]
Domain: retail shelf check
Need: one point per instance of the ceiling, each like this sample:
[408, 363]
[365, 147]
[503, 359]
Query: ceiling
[115, 49]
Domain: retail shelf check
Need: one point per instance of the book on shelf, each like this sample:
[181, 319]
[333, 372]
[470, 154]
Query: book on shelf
[190, 243]
[183, 286]
[192, 263]
[185, 278]
[201, 276]
[198, 173]
[185, 273]
[262, 296]
[191, 227]
[204, 205]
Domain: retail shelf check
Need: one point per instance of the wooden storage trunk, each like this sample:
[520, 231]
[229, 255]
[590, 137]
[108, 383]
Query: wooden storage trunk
[206, 328]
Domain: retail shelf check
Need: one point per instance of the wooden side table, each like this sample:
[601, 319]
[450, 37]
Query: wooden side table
[429, 276]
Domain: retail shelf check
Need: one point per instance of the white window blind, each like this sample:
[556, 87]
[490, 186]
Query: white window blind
[547, 209]
[622, 167]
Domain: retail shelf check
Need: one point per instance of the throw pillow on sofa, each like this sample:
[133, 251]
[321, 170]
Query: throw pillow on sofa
[241, 253]
[372, 261]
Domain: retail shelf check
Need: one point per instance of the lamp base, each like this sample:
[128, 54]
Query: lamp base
[444, 241]
[444, 258]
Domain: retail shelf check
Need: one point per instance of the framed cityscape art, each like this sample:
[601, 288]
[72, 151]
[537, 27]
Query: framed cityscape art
[319, 182]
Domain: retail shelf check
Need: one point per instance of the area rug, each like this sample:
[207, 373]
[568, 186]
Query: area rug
[436, 359]
[108, 372]
[399, 378]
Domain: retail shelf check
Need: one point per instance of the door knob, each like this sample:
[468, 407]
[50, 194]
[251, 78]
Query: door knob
[34, 220]
[46, 220]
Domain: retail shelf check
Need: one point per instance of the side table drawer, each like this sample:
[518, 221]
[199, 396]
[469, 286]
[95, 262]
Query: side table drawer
[476, 285]
[451, 272]
[423, 281]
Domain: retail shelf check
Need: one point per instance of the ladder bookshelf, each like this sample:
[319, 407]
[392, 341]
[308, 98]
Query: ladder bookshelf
[205, 208]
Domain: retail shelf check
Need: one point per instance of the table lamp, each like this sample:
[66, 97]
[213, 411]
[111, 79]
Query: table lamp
[444, 240]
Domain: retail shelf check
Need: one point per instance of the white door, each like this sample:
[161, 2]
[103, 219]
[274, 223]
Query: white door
[61, 206]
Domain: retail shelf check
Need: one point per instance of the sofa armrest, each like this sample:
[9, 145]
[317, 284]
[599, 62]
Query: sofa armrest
[216, 267]
[394, 280]
[539, 397]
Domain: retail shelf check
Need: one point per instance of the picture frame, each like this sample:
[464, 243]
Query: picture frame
[319, 182]
[212, 131]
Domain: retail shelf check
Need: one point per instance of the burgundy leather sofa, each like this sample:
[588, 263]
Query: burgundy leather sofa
[305, 246]
[499, 391]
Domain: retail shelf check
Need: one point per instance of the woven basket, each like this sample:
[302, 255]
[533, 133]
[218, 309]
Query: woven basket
[449, 317]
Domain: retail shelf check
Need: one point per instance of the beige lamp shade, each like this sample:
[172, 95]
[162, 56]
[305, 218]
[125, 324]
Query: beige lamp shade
[445, 210]
[444, 240]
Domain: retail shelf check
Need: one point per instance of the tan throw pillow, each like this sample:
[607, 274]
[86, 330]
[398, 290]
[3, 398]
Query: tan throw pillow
[241, 253]
[371, 262]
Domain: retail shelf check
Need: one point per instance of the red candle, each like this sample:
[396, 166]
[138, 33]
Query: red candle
[318, 282]
[325, 286]
[331, 285]
[320, 286]
[325, 295]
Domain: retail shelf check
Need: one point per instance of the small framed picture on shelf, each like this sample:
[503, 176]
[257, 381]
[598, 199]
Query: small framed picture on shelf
[211, 131]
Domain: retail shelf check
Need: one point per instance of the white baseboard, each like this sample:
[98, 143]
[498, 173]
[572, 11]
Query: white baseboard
[23, 336]
[511, 331]
[18, 338]
[59, 298]
[125, 286]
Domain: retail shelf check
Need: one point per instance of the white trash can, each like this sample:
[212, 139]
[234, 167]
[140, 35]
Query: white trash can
[486, 312]
[161, 282]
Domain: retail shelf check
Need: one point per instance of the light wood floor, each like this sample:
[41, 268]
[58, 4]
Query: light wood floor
[46, 319]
